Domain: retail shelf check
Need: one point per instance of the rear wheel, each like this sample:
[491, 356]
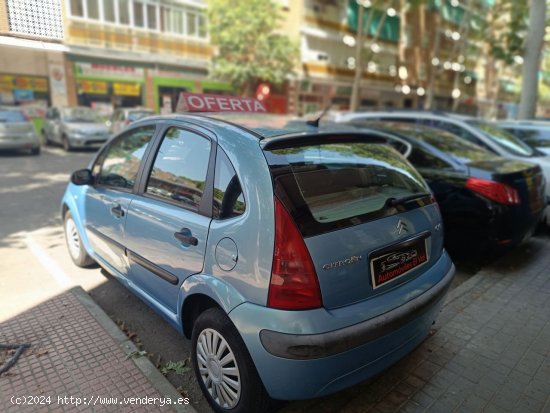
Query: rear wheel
[66, 144]
[74, 243]
[35, 151]
[45, 137]
[223, 366]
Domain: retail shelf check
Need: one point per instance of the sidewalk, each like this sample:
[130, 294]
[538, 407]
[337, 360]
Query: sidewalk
[78, 360]
[489, 352]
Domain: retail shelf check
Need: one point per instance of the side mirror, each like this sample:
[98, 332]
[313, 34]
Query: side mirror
[82, 177]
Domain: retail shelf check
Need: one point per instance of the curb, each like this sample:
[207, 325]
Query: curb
[464, 288]
[142, 363]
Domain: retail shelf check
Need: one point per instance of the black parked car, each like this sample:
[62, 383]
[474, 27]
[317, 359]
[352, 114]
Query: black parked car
[485, 200]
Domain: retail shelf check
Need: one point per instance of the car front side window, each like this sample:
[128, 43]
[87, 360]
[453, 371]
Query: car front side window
[118, 166]
[180, 168]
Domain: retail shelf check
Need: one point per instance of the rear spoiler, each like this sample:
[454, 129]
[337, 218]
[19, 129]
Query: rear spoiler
[321, 138]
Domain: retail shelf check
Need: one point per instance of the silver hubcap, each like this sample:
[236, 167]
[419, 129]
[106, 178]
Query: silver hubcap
[218, 368]
[73, 240]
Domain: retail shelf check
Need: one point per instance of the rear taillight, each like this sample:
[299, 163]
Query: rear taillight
[294, 284]
[495, 191]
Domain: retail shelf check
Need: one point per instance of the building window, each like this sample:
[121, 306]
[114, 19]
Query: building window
[138, 14]
[191, 24]
[152, 16]
[109, 11]
[77, 8]
[93, 9]
[148, 15]
[202, 26]
[123, 12]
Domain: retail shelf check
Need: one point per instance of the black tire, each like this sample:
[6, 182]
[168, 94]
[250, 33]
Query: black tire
[35, 151]
[47, 141]
[66, 144]
[74, 243]
[251, 396]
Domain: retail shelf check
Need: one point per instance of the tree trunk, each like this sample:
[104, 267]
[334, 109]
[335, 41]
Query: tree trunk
[359, 57]
[531, 59]
[358, 60]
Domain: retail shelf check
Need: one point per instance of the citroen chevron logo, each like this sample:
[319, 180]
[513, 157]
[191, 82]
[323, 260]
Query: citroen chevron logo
[401, 227]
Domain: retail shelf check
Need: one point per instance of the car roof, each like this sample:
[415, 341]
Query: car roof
[261, 125]
[524, 124]
[403, 113]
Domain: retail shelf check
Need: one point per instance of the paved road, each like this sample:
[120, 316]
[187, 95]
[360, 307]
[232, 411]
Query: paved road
[35, 265]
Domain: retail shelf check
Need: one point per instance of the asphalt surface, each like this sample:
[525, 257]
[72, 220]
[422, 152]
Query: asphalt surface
[35, 265]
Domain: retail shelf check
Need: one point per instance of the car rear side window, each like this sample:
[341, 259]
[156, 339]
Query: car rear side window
[423, 159]
[342, 184]
[228, 194]
[119, 164]
[179, 171]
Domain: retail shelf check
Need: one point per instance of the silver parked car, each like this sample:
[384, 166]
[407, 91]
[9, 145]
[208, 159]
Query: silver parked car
[534, 133]
[77, 127]
[122, 117]
[17, 132]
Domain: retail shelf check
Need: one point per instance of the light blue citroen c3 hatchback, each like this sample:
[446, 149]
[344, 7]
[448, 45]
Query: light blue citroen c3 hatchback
[299, 259]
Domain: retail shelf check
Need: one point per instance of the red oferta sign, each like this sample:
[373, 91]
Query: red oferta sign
[195, 102]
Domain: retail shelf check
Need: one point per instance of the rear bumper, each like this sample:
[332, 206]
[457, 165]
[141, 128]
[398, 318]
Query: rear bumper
[312, 346]
[87, 142]
[313, 363]
[19, 144]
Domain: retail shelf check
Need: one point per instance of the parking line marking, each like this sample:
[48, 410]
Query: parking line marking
[60, 277]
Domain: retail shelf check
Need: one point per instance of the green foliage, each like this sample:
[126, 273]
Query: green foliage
[506, 37]
[249, 48]
[178, 367]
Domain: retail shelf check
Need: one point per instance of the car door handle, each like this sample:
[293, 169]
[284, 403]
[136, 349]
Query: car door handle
[117, 211]
[185, 237]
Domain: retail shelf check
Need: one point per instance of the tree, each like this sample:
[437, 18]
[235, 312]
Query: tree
[249, 48]
[531, 59]
[503, 36]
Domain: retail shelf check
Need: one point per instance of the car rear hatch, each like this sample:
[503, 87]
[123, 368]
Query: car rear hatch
[13, 124]
[364, 213]
[522, 193]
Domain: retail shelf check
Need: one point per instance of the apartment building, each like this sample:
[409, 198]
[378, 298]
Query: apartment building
[433, 48]
[31, 54]
[138, 52]
[113, 53]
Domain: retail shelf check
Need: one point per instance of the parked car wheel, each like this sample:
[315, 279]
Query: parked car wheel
[223, 366]
[47, 140]
[35, 151]
[66, 144]
[74, 243]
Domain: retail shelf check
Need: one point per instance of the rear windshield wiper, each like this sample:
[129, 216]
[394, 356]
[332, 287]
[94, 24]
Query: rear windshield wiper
[391, 202]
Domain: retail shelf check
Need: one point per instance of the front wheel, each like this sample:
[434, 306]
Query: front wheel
[224, 369]
[74, 243]
[66, 144]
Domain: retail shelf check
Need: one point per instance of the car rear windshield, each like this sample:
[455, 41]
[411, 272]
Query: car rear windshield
[339, 184]
[450, 144]
[9, 116]
[504, 139]
[137, 115]
[80, 115]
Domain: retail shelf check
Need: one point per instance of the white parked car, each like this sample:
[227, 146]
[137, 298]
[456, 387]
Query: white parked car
[534, 133]
[122, 117]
